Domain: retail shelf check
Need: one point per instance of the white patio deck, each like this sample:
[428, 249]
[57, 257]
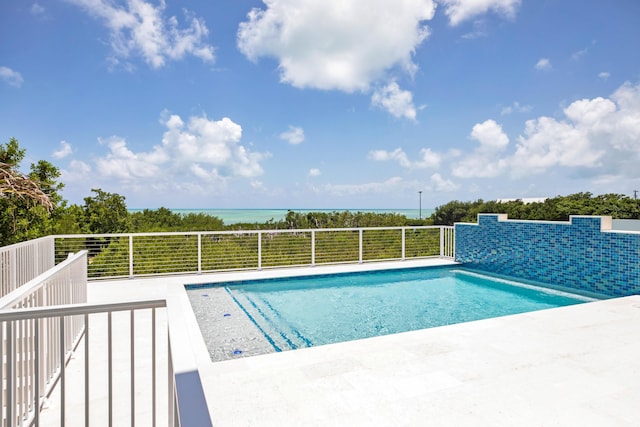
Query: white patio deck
[577, 365]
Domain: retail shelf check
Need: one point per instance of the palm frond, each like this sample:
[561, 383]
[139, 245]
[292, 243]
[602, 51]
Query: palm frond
[13, 182]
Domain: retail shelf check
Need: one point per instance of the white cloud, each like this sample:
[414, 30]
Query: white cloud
[294, 136]
[314, 172]
[579, 54]
[123, 164]
[344, 45]
[582, 52]
[77, 172]
[199, 156]
[215, 143]
[596, 137]
[396, 101]
[390, 185]
[64, 151]
[257, 185]
[483, 162]
[462, 10]
[515, 107]
[490, 136]
[37, 9]
[544, 65]
[604, 75]
[428, 158]
[438, 183]
[11, 77]
[547, 143]
[139, 28]
[474, 35]
[383, 155]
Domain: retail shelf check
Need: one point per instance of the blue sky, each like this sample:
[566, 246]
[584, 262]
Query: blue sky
[319, 104]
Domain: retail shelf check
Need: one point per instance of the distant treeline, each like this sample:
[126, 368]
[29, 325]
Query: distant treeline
[23, 216]
[557, 208]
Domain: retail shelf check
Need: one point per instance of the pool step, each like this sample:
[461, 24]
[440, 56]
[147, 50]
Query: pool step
[280, 334]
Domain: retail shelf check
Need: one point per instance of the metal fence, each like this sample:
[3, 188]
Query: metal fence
[144, 254]
[448, 242]
[44, 315]
[129, 373]
[22, 262]
[33, 351]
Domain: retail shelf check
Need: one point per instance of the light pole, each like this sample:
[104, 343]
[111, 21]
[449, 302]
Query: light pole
[420, 198]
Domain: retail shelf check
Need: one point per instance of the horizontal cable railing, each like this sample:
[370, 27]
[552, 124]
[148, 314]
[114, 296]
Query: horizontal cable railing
[24, 261]
[42, 322]
[34, 351]
[144, 254]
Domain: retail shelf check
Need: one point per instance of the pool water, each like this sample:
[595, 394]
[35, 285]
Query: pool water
[303, 312]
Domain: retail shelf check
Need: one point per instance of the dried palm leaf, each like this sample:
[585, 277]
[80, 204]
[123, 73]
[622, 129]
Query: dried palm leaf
[13, 182]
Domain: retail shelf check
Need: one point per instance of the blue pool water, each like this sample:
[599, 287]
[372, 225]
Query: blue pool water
[302, 312]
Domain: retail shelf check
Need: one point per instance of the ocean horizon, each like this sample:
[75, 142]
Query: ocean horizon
[251, 216]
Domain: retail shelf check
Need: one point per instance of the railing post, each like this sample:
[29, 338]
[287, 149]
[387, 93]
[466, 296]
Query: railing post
[133, 366]
[360, 238]
[52, 252]
[86, 369]
[36, 256]
[199, 253]
[10, 376]
[313, 247]
[13, 262]
[36, 372]
[259, 250]
[109, 368]
[63, 379]
[442, 231]
[452, 237]
[171, 388]
[153, 367]
[403, 231]
[130, 256]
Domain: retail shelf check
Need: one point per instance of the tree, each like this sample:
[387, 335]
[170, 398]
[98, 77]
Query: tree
[453, 212]
[200, 222]
[26, 201]
[12, 183]
[148, 220]
[106, 213]
[70, 220]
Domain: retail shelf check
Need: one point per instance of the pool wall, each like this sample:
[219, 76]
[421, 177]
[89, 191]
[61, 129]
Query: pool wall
[583, 254]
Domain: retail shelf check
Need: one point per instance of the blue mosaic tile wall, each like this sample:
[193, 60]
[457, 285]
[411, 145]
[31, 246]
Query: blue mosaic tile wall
[580, 254]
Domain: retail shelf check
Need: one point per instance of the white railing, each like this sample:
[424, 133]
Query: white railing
[33, 351]
[187, 402]
[42, 322]
[448, 242]
[22, 262]
[142, 254]
[118, 382]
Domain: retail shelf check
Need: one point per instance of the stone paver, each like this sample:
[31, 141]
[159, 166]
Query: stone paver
[577, 365]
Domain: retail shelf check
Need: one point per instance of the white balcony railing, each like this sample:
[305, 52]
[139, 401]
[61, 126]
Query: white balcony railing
[129, 372]
[143, 254]
[447, 242]
[44, 315]
[33, 351]
[43, 322]
[22, 262]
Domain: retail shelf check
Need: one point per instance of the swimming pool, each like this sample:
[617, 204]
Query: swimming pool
[293, 313]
